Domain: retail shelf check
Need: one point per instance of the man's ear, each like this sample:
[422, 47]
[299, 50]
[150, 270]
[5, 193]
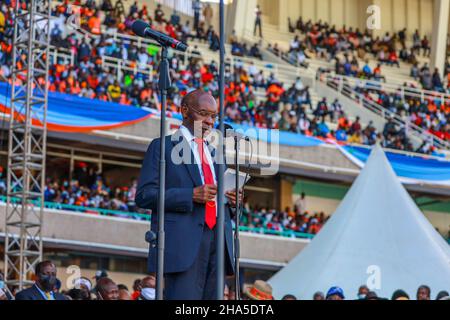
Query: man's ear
[184, 110]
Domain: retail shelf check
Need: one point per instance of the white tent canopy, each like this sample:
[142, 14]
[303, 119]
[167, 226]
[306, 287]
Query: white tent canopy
[378, 237]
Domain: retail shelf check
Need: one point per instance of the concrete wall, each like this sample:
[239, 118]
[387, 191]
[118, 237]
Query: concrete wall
[125, 236]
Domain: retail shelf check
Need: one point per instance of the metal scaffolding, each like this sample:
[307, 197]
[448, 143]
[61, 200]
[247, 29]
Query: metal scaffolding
[27, 142]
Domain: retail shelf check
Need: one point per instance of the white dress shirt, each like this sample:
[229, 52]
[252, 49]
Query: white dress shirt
[194, 147]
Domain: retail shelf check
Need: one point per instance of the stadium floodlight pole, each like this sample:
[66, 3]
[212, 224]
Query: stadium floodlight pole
[220, 188]
[164, 85]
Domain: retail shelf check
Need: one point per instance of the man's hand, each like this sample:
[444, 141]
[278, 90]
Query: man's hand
[205, 194]
[231, 196]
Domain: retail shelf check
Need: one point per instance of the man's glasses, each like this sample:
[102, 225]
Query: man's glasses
[206, 114]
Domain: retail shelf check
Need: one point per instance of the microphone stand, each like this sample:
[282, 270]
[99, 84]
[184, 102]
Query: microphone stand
[164, 85]
[238, 221]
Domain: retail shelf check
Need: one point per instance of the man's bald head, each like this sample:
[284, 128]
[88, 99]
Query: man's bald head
[108, 289]
[199, 109]
[193, 98]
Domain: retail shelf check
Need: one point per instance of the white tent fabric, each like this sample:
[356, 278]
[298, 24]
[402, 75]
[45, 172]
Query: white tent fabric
[377, 236]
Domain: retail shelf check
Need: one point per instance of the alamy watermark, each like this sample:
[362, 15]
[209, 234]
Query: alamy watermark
[261, 152]
[374, 20]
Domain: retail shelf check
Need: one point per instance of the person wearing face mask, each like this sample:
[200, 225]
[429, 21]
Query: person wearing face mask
[44, 286]
[148, 291]
[362, 292]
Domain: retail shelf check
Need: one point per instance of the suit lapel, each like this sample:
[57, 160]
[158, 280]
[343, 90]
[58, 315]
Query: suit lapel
[36, 293]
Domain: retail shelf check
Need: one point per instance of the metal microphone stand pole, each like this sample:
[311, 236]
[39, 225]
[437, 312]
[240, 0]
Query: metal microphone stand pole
[164, 85]
[220, 227]
[238, 220]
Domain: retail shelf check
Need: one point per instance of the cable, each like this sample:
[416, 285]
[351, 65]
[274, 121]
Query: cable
[246, 177]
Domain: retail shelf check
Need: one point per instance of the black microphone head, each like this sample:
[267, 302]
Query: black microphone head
[139, 27]
[228, 127]
[181, 46]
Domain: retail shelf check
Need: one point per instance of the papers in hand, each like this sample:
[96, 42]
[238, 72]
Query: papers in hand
[230, 180]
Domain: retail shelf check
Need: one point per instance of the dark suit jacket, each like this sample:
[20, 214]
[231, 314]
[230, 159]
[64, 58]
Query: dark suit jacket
[34, 294]
[184, 220]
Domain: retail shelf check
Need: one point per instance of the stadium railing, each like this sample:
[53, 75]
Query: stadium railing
[121, 65]
[345, 88]
[269, 67]
[56, 53]
[400, 89]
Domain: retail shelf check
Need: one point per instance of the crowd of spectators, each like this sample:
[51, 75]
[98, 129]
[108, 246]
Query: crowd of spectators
[348, 46]
[47, 286]
[87, 191]
[282, 108]
[431, 114]
[286, 222]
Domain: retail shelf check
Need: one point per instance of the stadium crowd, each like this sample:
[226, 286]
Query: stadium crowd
[48, 287]
[432, 115]
[281, 108]
[88, 192]
[348, 47]
[321, 40]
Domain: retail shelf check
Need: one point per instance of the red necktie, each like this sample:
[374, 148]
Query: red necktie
[210, 210]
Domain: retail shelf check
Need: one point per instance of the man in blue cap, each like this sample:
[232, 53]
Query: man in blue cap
[335, 293]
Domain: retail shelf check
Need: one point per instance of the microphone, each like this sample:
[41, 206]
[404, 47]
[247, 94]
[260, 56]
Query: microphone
[143, 29]
[230, 132]
[151, 238]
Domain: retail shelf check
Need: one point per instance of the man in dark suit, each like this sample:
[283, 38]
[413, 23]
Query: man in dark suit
[44, 286]
[190, 203]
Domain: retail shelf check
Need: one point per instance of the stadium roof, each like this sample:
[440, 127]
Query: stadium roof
[378, 236]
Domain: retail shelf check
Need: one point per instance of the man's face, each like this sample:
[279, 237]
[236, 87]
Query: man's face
[149, 282]
[110, 292]
[422, 294]
[47, 277]
[363, 291]
[124, 295]
[201, 117]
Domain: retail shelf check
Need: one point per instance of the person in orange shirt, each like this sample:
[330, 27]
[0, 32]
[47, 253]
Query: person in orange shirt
[52, 87]
[75, 88]
[145, 94]
[62, 86]
[124, 99]
[93, 81]
[432, 106]
[94, 24]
